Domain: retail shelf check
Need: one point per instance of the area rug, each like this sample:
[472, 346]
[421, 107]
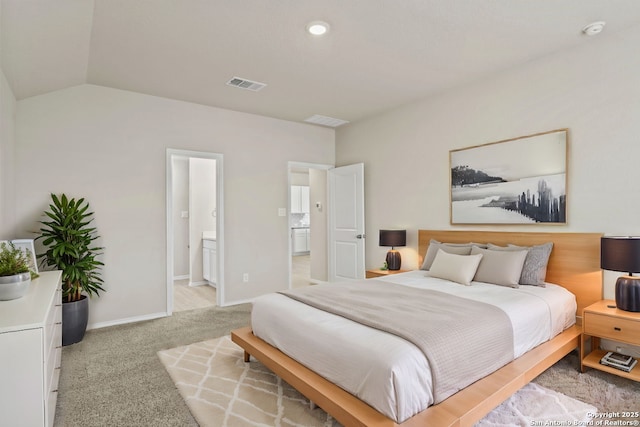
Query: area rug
[221, 389]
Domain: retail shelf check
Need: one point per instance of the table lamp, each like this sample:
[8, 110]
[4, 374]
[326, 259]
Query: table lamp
[623, 254]
[393, 238]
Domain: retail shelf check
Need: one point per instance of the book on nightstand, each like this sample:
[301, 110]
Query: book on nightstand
[618, 361]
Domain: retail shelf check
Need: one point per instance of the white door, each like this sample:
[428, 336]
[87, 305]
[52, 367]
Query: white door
[346, 222]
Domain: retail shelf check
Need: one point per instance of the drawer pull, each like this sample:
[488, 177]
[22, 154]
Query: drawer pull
[616, 328]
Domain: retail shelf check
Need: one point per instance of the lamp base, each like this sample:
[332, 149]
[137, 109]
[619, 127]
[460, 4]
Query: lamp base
[628, 293]
[393, 260]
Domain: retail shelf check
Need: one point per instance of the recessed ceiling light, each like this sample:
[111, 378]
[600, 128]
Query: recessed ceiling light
[318, 28]
[593, 28]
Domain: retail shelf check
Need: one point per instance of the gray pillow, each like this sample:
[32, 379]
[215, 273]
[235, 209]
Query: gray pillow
[534, 270]
[499, 267]
[452, 248]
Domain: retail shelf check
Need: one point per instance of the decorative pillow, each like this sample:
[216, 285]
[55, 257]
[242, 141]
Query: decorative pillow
[457, 268]
[452, 248]
[535, 265]
[499, 267]
[534, 270]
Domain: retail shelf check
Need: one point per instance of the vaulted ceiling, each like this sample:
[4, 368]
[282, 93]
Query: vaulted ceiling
[378, 54]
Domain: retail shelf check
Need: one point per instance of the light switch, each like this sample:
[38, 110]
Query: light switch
[282, 211]
[184, 214]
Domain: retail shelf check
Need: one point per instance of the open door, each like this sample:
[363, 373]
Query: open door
[346, 222]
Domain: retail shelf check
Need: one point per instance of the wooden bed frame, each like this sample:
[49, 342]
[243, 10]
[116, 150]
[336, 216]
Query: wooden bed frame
[574, 264]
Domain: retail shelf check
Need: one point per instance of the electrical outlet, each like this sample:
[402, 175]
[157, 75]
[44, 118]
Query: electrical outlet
[245, 277]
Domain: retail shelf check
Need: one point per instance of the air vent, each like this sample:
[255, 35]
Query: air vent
[325, 121]
[246, 84]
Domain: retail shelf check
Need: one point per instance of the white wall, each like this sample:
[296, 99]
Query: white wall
[298, 178]
[180, 188]
[7, 143]
[319, 267]
[202, 202]
[593, 90]
[110, 145]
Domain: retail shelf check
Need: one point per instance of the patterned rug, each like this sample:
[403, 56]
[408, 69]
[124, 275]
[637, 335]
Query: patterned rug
[222, 390]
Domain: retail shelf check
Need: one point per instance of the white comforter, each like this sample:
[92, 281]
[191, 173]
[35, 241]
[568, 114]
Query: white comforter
[387, 372]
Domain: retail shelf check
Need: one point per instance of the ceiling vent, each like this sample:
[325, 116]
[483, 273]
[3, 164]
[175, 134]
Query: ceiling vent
[325, 121]
[246, 84]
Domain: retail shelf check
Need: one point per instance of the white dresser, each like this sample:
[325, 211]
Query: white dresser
[30, 350]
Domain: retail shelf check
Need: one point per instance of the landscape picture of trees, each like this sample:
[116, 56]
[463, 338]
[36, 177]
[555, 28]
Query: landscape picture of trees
[515, 181]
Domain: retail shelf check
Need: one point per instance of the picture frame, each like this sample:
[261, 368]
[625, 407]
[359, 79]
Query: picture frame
[27, 246]
[521, 180]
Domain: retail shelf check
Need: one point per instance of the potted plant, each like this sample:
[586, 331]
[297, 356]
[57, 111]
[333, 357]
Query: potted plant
[69, 239]
[15, 274]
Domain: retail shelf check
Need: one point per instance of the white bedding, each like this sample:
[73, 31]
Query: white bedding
[387, 372]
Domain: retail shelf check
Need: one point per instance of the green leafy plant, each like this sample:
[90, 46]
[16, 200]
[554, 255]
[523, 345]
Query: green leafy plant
[12, 260]
[69, 239]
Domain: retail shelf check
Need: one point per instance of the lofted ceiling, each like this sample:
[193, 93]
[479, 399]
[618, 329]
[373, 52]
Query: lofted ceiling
[378, 54]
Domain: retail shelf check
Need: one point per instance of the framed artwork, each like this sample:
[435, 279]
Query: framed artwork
[26, 245]
[516, 181]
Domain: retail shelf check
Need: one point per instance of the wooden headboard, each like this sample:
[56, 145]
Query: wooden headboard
[574, 263]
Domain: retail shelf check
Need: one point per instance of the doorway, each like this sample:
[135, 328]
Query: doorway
[307, 224]
[195, 232]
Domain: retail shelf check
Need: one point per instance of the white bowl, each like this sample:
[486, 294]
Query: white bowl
[13, 287]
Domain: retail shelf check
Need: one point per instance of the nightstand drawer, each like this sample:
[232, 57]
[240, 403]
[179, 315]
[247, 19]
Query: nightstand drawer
[611, 327]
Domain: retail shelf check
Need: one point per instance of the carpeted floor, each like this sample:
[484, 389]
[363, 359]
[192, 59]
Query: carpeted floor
[115, 378]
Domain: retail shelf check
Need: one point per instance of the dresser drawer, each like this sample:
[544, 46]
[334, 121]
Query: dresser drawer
[54, 318]
[52, 368]
[614, 328]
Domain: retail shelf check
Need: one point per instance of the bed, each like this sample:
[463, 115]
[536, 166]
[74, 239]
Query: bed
[574, 265]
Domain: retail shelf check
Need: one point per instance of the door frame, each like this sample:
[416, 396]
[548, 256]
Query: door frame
[170, 153]
[290, 166]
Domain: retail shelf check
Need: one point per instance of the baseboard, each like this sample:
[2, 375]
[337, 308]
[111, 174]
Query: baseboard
[237, 302]
[205, 283]
[126, 320]
[183, 277]
[198, 283]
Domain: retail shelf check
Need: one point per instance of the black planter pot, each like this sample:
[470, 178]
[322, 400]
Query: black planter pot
[75, 316]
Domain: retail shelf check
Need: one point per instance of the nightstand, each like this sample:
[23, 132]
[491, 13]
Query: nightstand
[381, 273]
[603, 320]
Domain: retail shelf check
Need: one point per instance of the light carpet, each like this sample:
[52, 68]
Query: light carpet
[221, 389]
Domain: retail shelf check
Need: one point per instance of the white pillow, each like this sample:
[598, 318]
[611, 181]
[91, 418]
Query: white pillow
[457, 268]
[500, 267]
[452, 248]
